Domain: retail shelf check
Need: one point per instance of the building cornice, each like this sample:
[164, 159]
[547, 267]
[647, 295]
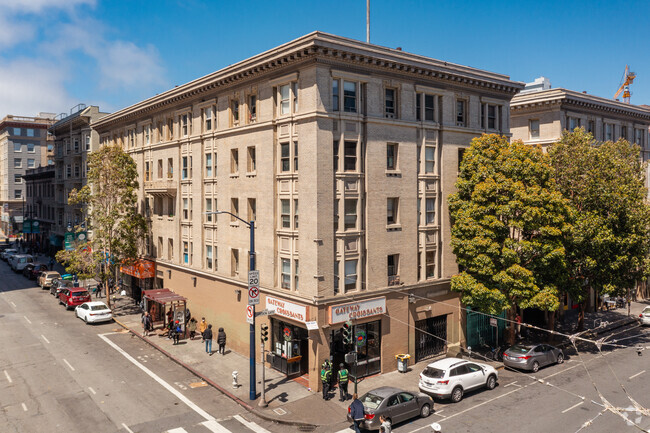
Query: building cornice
[320, 47]
[570, 99]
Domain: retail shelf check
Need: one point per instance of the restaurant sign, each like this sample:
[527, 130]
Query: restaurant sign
[287, 309]
[356, 310]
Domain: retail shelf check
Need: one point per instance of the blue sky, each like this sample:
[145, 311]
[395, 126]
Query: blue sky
[55, 54]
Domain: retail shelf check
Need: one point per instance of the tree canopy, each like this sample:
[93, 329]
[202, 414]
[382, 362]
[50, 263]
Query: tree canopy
[508, 224]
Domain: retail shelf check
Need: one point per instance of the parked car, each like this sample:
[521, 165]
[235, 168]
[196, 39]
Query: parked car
[7, 253]
[452, 377]
[19, 261]
[645, 316]
[46, 278]
[34, 270]
[532, 356]
[71, 297]
[393, 403]
[58, 284]
[93, 312]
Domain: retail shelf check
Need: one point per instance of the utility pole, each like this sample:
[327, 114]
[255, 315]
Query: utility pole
[367, 21]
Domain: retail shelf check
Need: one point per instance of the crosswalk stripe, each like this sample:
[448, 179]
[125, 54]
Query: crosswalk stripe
[251, 425]
[177, 430]
[214, 426]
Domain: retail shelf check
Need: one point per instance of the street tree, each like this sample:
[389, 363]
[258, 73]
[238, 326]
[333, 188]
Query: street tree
[111, 199]
[80, 261]
[508, 221]
[607, 246]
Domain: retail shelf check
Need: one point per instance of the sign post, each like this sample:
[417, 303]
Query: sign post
[250, 314]
[253, 287]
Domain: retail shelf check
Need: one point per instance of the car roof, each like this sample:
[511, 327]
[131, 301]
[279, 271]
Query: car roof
[447, 363]
[78, 289]
[385, 391]
[51, 273]
[92, 303]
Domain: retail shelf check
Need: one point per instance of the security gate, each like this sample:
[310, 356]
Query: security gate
[479, 330]
[430, 337]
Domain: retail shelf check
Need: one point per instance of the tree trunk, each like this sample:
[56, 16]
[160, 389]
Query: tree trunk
[581, 315]
[551, 323]
[510, 335]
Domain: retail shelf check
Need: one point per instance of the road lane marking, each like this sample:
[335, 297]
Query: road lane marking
[24, 407]
[11, 302]
[46, 340]
[71, 367]
[8, 377]
[92, 390]
[512, 384]
[155, 377]
[572, 407]
[251, 425]
[126, 428]
[177, 430]
[28, 321]
[635, 375]
[214, 426]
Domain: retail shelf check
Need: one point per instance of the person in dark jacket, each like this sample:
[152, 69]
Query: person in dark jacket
[356, 412]
[221, 341]
[207, 337]
[343, 382]
[177, 332]
[325, 378]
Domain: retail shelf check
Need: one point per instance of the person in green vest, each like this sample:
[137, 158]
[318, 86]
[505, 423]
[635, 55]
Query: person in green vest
[325, 378]
[343, 382]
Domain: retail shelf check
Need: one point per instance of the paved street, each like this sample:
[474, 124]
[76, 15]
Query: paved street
[59, 375]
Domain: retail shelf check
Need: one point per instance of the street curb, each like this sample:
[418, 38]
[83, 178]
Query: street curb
[228, 394]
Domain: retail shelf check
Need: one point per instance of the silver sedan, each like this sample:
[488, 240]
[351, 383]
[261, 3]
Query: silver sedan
[532, 356]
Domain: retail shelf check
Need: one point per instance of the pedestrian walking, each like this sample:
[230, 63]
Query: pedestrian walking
[191, 327]
[343, 382]
[325, 378]
[202, 327]
[385, 424]
[221, 341]
[356, 412]
[52, 263]
[146, 323]
[177, 332]
[518, 325]
[207, 337]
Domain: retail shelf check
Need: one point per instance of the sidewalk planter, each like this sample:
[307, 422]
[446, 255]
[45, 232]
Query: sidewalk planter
[402, 362]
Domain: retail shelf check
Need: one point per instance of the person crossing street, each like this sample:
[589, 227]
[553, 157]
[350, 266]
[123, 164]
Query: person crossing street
[326, 377]
[343, 382]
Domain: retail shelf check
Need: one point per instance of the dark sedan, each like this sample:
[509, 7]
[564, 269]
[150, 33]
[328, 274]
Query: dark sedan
[33, 270]
[393, 403]
[532, 356]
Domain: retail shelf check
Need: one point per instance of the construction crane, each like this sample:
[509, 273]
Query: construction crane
[628, 78]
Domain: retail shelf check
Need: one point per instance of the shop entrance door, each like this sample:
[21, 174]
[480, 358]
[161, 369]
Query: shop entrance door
[430, 337]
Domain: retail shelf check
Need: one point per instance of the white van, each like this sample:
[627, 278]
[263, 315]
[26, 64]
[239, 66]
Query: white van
[19, 261]
[4, 255]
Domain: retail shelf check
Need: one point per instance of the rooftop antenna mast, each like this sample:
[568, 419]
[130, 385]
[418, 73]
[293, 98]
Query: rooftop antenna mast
[367, 21]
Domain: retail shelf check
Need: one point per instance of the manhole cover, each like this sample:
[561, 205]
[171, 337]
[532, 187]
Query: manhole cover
[306, 428]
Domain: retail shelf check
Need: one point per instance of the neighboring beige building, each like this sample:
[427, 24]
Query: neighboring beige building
[74, 140]
[24, 144]
[540, 116]
[343, 153]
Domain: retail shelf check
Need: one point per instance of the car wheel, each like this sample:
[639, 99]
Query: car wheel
[86, 320]
[560, 358]
[491, 382]
[535, 367]
[425, 411]
[457, 394]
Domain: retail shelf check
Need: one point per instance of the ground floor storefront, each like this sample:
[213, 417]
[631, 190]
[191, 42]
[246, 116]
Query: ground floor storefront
[423, 322]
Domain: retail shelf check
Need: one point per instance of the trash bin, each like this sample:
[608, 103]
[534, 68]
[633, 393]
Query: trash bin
[402, 362]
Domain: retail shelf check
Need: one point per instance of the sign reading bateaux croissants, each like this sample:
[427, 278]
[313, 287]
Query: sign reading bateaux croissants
[356, 310]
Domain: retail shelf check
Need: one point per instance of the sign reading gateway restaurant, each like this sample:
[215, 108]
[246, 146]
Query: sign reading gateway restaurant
[287, 309]
[356, 310]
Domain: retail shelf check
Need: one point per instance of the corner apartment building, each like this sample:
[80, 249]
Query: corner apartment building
[74, 140]
[40, 204]
[343, 153]
[539, 115]
[24, 144]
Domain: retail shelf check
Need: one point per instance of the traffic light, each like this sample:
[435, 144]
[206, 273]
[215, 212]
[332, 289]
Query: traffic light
[264, 332]
[347, 332]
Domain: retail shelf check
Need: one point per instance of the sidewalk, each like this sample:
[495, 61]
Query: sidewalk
[290, 402]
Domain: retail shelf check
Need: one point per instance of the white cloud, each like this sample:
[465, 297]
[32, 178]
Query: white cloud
[123, 64]
[32, 86]
[14, 31]
[37, 6]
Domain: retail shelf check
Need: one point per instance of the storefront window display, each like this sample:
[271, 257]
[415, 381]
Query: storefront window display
[289, 346]
[367, 343]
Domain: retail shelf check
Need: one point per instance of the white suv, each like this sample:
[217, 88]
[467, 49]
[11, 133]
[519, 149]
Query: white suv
[19, 261]
[451, 377]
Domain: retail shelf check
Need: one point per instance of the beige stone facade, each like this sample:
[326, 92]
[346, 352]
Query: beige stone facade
[343, 154]
[24, 144]
[74, 140]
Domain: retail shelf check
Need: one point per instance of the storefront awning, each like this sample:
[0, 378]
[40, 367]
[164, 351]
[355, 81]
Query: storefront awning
[162, 296]
[140, 269]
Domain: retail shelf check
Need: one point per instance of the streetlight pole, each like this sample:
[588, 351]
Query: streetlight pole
[251, 253]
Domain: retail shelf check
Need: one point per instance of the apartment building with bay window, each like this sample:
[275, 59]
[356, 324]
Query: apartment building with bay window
[343, 153]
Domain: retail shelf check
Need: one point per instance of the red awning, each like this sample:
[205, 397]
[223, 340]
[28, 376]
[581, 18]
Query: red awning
[162, 296]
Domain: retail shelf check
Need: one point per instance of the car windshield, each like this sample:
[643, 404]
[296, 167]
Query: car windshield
[371, 401]
[98, 307]
[84, 293]
[434, 373]
[520, 348]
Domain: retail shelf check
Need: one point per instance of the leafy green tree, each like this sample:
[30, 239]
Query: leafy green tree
[111, 198]
[607, 247]
[80, 261]
[508, 222]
